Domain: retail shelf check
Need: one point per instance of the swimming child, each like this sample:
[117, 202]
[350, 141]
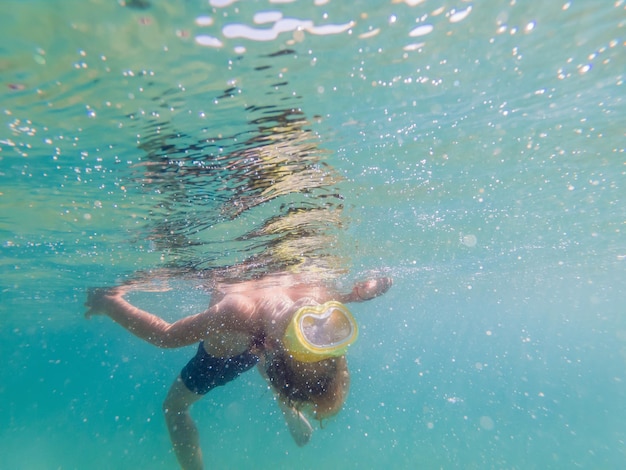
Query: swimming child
[296, 333]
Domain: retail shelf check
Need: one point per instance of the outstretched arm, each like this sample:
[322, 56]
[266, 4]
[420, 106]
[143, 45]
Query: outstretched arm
[144, 324]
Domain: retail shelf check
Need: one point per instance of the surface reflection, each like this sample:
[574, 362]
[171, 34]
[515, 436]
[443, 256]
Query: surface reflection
[259, 201]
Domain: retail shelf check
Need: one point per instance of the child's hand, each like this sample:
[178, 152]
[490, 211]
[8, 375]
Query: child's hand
[99, 300]
[371, 288]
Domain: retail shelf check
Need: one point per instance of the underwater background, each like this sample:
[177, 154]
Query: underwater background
[472, 150]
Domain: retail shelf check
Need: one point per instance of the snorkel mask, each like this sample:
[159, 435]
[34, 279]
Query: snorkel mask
[320, 332]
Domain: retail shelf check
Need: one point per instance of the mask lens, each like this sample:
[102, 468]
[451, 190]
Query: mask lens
[329, 329]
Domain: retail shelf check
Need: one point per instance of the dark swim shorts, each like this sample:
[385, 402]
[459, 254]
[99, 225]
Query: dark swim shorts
[205, 372]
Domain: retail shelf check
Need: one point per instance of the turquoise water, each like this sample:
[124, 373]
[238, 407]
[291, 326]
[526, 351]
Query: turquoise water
[472, 150]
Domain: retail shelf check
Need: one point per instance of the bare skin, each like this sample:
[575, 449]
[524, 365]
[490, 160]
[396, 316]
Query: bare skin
[237, 314]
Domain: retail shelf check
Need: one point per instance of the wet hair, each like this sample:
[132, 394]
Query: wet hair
[323, 385]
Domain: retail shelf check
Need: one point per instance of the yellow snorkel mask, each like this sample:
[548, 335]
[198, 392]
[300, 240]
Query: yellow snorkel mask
[320, 332]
